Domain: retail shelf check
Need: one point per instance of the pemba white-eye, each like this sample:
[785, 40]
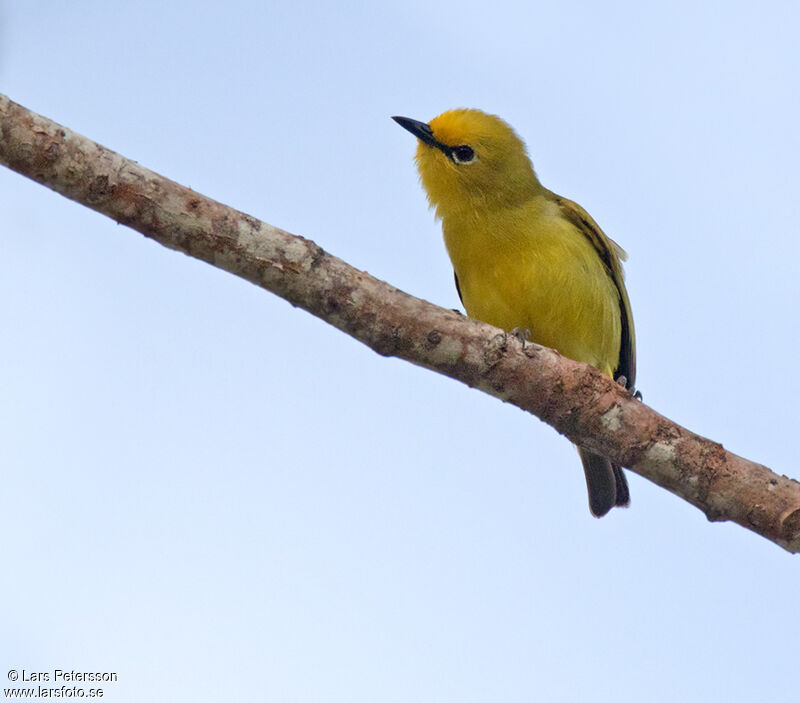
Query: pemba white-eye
[528, 259]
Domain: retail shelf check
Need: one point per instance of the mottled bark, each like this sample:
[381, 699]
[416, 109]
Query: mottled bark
[574, 398]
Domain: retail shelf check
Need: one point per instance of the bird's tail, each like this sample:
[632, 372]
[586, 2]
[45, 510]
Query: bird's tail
[605, 482]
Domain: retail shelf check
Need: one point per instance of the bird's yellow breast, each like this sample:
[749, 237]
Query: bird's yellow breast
[528, 267]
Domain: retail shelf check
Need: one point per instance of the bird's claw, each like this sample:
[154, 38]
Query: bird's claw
[623, 381]
[523, 334]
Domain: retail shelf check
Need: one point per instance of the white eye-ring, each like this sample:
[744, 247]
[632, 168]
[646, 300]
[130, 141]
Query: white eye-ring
[463, 154]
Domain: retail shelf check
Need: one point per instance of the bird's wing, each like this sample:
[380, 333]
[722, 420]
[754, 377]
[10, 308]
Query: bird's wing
[610, 254]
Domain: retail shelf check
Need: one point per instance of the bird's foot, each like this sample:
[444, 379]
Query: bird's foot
[623, 381]
[523, 334]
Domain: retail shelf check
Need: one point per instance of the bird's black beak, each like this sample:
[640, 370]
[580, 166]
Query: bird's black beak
[420, 130]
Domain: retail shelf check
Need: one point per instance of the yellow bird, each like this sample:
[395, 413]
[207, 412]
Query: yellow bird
[528, 259]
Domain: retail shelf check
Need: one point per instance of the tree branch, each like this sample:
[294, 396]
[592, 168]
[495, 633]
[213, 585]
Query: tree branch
[574, 398]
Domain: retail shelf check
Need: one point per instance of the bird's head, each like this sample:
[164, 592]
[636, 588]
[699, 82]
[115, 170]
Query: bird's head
[469, 160]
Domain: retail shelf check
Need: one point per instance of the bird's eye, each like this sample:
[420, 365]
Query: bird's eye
[463, 154]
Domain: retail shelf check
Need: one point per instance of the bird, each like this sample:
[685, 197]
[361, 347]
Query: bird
[528, 260]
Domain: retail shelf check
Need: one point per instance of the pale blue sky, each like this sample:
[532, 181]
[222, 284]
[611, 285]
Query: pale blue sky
[221, 498]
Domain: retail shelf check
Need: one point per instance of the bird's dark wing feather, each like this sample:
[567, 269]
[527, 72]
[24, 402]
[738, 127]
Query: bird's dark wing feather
[458, 288]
